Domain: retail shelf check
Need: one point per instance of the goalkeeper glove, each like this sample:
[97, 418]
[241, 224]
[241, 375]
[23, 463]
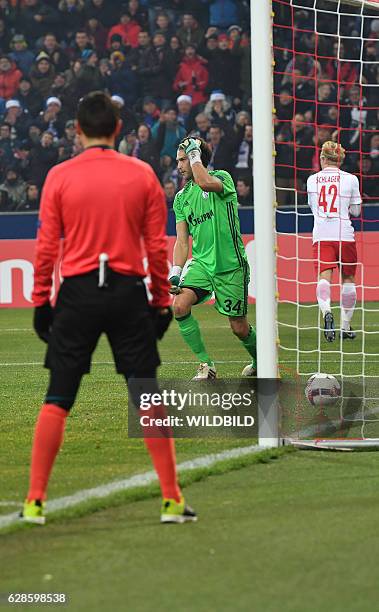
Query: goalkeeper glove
[162, 318]
[192, 148]
[43, 320]
[175, 280]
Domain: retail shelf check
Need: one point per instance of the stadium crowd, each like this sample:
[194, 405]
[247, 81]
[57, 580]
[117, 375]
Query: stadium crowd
[173, 67]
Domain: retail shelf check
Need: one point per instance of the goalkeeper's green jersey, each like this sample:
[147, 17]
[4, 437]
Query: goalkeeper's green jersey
[213, 223]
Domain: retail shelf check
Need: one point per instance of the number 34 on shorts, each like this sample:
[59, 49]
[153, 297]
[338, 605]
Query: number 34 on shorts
[230, 288]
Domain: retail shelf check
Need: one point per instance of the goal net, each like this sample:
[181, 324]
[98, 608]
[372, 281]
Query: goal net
[326, 88]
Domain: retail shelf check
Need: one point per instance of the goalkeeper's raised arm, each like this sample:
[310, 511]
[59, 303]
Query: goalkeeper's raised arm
[193, 158]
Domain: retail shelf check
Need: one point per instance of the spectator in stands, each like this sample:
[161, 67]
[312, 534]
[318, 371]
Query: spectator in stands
[224, 68]
[242, 49]
[222, 13]
[14, 186]
[4, 201]
[169, 171]
[129, 144]
[127, 28]
[192, 76]
[6, 146]
[326, 97]
[36, 19]
[32, 199]
[190, 32]
[122, 79]
[219, 111]
[244, 152]
[89, 77]
[43, 156]
[243, 188]
[369, 182]
[34, 134]
[53, 49]
[127, 116]
[222, 153]
[150, 111]
[284, 104]
[10, 77]
[138, 13]
[163, 25]
[142, 146]
[102, 10]
[168, 132]
[174, 56]
[5, 37]
[145, 62]
[81, 43]
[169, 188]
[209, 47]
[186, 113]
[51, 119]
[304, 94]
[202, 125]
[345, 73]
[17, 119]
[294, 149]
[66, 143]
[29, 99]
[373, 150]
[164, 86]
[71, 16]
[20, 54]
[97, 35]
[42, 74]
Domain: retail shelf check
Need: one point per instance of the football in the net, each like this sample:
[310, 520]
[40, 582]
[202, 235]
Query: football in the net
[322, 390]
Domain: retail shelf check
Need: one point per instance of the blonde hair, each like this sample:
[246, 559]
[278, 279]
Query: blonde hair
[332, 151]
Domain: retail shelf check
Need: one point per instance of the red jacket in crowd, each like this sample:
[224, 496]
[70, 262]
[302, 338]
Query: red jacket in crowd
[128, 31]
[9, 82]
[192, 79]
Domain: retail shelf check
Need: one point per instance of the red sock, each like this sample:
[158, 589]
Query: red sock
[48, 437]
[162, 452]
[161, 446]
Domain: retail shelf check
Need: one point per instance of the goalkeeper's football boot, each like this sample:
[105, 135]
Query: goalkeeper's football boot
[177, 512]
[33, 512]
[250, 369]
[329, 331]
[205, 372]
[348, 334]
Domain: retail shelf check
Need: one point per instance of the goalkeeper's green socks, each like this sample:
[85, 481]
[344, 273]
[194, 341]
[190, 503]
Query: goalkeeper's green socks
[191, 334]
[250, 344]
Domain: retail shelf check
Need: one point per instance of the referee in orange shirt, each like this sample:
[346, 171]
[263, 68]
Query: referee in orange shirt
[103, 204]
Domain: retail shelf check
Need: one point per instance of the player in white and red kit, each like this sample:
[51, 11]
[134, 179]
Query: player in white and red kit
[333, 196]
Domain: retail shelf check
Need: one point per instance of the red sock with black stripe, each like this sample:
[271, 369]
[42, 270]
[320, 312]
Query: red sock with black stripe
[48, 438]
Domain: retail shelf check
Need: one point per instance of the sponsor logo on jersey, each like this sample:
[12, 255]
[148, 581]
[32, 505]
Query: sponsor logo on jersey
[192, 220]
[205, 194]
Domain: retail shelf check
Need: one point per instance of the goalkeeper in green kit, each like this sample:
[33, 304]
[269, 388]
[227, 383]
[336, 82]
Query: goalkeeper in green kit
[206, 209]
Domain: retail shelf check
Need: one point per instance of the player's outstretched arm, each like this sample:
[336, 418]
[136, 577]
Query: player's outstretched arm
[180, 255]
[201, 176]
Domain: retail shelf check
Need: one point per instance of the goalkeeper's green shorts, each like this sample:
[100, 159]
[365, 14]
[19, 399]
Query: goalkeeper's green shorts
[230, 288]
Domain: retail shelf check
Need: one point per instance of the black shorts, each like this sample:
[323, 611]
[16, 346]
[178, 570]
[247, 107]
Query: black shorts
[84, 311]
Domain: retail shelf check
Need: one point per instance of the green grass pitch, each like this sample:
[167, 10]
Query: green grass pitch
[271, 535]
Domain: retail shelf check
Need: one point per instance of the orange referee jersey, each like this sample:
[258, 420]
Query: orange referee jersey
[102, 202]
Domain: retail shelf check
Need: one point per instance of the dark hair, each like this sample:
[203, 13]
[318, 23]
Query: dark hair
[97, 115]
[204, 147]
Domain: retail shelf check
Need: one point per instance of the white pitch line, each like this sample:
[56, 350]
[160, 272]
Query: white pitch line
[5, 504]
[134, 482]
[281, 361]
